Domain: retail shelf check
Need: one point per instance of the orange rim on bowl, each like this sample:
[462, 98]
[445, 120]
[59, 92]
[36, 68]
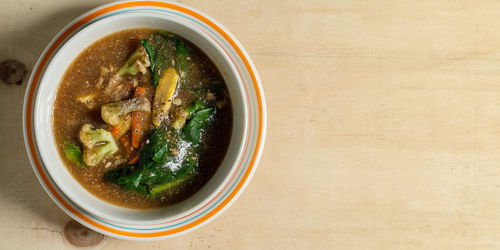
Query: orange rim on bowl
[254, 137]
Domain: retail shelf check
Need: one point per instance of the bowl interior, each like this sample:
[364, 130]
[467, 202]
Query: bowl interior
[46, 95]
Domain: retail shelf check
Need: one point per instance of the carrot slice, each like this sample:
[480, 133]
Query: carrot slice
[121, 128]
[126, 144]
[134, 160]
[138, 120]
[115, 130]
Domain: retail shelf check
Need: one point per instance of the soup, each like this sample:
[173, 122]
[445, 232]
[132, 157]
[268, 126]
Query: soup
[142, 118]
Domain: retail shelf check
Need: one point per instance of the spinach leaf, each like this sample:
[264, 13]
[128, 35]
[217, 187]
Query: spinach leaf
[194, 128]
[191, 109]
[73, 153]
[127, 178]
[164, 167]
[180, 176]
[164, 54]
[156, 148]
[158, 168]
[182, 55]
[166, 50]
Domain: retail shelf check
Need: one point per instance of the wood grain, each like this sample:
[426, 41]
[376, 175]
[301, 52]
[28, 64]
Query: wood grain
[383, 127]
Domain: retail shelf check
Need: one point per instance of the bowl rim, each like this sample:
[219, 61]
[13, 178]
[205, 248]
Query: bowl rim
[135, 233]
[44, 134]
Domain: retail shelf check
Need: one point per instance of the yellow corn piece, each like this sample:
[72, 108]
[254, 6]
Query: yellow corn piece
[164, 95]
[86, 98]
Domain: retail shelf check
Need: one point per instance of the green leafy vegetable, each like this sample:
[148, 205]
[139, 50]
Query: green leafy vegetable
[73, 153]
[182, 55]
[159, 169]
[181, 117]
[125, 177]
[156, 149]
[165, 51]
[191, 109]
[180, 176]
[194, 128]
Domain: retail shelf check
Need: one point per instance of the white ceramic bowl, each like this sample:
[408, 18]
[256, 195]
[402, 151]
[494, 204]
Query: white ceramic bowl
[248, 125]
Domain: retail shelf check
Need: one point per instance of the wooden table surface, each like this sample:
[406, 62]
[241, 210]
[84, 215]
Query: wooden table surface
[383, 127]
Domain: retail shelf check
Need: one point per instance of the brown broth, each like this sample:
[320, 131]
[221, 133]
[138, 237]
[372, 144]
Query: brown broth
[70, 114]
